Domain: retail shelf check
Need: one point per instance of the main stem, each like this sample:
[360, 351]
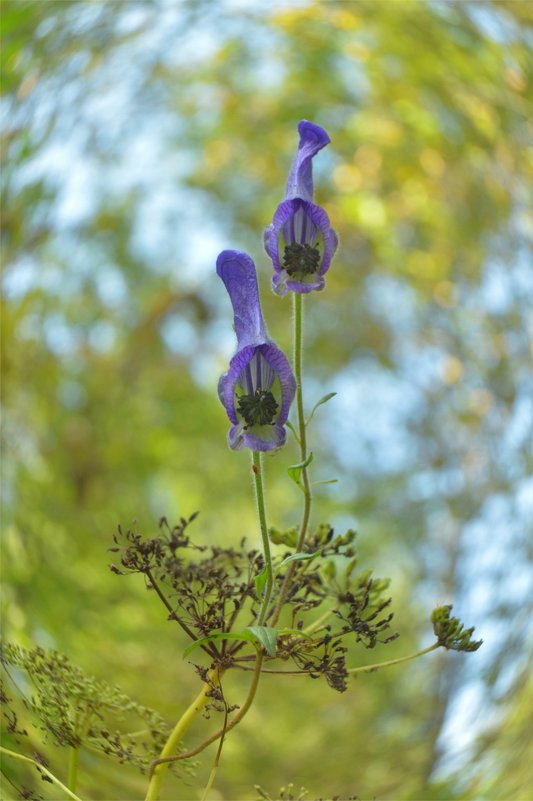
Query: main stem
[257, 469]
[176, 736]
[231, 725]
[73, 759]
[302, 436]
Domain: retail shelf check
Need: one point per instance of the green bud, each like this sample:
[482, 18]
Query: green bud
[288, 537]
[451, 633]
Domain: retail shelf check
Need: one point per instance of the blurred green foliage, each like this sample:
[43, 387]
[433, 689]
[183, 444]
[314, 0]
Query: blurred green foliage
[142, 137]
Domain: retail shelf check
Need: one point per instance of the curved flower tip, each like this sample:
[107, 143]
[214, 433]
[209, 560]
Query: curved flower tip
[238, 274]
[259, 387]
[300, 240]
[312, 139]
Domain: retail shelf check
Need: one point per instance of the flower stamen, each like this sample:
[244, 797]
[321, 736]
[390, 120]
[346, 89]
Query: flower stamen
[301, 259]
[259, 408]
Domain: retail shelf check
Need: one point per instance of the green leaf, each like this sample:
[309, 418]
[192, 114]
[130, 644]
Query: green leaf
[260, 581]
[266, 636]
[300, 557]
[322, 400]
[230, 635]
[328, 481]
[295, 470]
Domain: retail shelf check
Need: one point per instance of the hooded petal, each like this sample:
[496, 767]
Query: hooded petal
[312, 139]
[237, 271]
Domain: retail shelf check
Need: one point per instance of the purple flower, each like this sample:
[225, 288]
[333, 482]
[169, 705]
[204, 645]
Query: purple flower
[300, 240]
[259, 387]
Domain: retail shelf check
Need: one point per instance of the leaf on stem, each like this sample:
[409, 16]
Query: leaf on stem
[298, 557]
[295, 470]
[260, 581]
[322, 400]
[267, 637]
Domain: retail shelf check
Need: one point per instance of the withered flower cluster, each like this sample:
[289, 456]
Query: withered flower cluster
[72, 709]
[211, 592]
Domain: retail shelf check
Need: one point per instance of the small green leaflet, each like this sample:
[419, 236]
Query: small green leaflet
[295, 470]
[322, 400]
[266, 636]
[294, 557]
[328, 481]
[260, 581]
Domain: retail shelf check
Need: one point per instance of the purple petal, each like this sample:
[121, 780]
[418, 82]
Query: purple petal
[281, 366]
[298, 220]
[236, 366]
[277, 436]
[303, 288]
[237, 271]
[236, 438]
[221, 386]
[312, 139]
[279, 283]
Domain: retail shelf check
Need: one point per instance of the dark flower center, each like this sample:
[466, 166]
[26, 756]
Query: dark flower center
[259, 408]
[303, 259]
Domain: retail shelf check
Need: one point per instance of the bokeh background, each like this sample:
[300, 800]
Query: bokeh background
[140, 139]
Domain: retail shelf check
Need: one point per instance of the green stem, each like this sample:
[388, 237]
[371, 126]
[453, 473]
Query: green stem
[257, 469]
[176, 736]
[216, 762]
[315, 626]
[365, 669]
[73, 760]
[371, 668]
[302, 439]
[42, 769]
[231, 725]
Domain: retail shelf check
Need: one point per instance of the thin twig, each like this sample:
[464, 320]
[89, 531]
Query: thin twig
[42, 769]
[208, 648]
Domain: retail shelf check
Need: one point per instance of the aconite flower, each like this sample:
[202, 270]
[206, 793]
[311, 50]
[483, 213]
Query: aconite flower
[300, 240]
[259, 387]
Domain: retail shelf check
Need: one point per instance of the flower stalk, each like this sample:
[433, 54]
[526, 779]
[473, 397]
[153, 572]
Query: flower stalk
[298, 300]
[257, 470]
[73, 761]
[176, 736]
